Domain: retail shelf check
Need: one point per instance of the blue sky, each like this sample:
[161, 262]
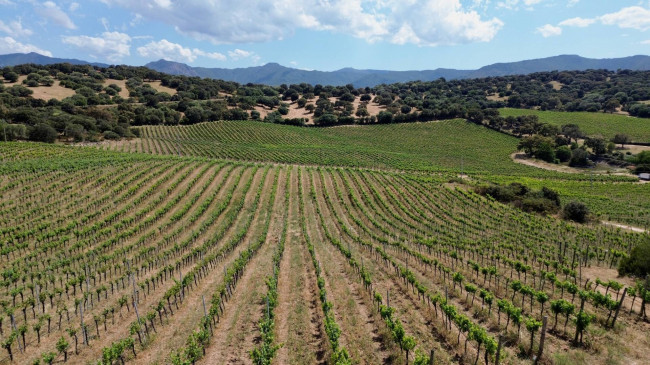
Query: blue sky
[325, 34]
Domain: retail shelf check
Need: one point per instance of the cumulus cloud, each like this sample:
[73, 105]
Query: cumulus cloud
[646, 42]
[175, 52]
[549, 30]
[15, 29]
[514, 4]
[634, 17]
[10, 45]
[428, 22]
[53, 12]
[578, 22]
[112, 46]
[238, 54]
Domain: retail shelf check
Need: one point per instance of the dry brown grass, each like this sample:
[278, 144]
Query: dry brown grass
[55, 91]
[162, 89]
[122, 84]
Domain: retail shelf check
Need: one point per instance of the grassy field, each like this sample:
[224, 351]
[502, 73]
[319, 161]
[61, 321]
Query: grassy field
[603, 124]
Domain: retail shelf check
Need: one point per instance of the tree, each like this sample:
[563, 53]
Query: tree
[611, 105]
[563, 153]
[384, 117]
[11, 77]
[579, 157]
[576, 211]
[623, 139]
[43, 133]
[538, 146]
[194, 115]
[597, 144]
[283, 109]
[572, 131]
[638, 262]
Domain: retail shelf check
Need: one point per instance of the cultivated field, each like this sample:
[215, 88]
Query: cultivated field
[606, 125]
[447, 148]
[149, 258]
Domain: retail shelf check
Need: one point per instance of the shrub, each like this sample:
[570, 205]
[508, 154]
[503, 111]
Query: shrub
[576, 211]
[638, 263]
[579, 157]
[43, 133]
[111, 135]
[563, 153]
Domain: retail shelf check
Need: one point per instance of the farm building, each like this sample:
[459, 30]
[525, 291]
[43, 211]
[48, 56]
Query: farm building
[644, 176]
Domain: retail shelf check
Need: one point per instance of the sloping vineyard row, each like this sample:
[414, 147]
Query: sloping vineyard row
[154, 258]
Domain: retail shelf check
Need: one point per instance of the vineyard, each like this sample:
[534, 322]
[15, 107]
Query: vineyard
[111, 257]
[607, 125]
[447, 148]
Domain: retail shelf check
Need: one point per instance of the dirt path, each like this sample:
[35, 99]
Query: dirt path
[298, 315]
[234, 334]
[363, 329]
[625, 227]
[187, 317]
[521, 158]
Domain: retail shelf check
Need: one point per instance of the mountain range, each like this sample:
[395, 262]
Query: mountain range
[275, 74]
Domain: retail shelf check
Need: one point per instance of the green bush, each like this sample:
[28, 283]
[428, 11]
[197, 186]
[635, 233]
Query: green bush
[576, 211]
[638, 263]
[563, 153]
[579, 158]
[43, 133]
[111, 135]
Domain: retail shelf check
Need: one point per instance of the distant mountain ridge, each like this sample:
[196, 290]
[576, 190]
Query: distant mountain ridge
[275, 74]
[36, 58]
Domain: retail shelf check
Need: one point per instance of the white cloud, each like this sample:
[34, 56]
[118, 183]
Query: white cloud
[238, 54]
[50, 10]
[175, 52]
[578, 22]
[112, 46]
[427, 22]
[214, 55]
[74, 6]
[634, 17]
[646, 42]
[549, 30]
[572, 3]
[137, 18]
[514, 4]
[6, 2]
[10, 45]
[104, 22]
[15, 29]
